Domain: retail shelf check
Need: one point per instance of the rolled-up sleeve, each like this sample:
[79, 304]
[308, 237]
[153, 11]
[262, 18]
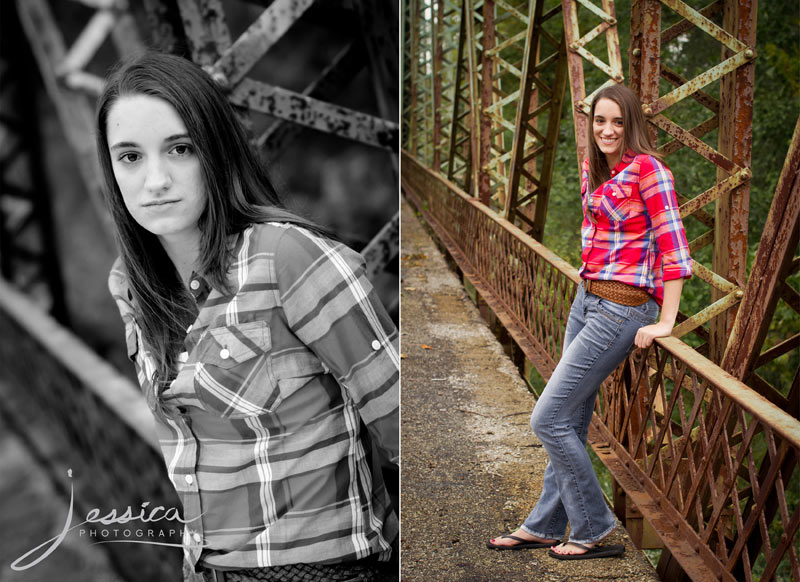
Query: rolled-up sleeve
[657, 190]
[331, 306]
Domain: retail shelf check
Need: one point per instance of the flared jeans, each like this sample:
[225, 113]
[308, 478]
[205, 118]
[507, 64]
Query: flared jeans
[599, 335]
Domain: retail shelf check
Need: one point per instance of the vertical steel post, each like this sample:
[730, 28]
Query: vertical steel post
[438, 57]
[735, 142]
[487, 98]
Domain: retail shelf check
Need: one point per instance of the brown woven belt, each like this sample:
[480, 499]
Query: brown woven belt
[617, 292]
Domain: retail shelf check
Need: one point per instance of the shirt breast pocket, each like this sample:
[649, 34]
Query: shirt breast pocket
[620, 202]
[233, 375]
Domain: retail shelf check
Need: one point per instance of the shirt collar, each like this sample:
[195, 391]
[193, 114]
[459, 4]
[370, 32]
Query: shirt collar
[627, 158]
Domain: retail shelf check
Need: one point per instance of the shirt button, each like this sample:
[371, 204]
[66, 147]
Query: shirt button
[195, 284]
[224, 354]
[196, 537]
[189, 479]
[376, 344]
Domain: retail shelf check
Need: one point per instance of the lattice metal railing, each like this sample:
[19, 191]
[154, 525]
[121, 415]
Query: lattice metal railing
[704, 458]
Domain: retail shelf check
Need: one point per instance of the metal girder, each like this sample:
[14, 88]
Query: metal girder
[732, 114]
[578, 53]
[772, 265]
[462, 151]
[344, 67]
[28, 249]
[735, 142]
[447, 50]
[383, 247]
[70, 86]
[229, 61]
[539, 101]
[419, 52]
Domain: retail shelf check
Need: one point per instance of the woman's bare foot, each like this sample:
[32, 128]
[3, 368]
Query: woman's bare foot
[522, 534]
[569, 549]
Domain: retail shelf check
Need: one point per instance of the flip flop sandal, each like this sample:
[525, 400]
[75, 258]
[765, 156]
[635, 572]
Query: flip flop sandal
[522, 545]
[591, 553]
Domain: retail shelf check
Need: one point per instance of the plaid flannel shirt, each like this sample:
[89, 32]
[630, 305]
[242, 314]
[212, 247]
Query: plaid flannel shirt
[632, 230]
[261, 429]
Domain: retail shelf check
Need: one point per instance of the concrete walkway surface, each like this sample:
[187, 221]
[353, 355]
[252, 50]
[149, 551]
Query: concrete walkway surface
[471, 467]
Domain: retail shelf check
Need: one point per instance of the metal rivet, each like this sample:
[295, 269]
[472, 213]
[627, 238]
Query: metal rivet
[647, 110]
[637, 52]
[749, 53]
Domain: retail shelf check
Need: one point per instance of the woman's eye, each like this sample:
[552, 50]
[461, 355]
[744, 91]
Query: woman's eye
[129, 157]
[182, 149]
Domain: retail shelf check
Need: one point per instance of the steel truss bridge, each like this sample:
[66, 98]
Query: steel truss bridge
[701, 448]
[48, 377]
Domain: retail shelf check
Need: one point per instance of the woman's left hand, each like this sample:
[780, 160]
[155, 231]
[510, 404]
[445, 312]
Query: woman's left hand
[646, 334]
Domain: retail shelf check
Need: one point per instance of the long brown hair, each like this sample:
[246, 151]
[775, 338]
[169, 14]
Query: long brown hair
[239, 193]
[635, 135]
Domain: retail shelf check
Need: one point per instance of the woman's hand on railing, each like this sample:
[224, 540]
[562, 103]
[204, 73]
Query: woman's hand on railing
[646, 334]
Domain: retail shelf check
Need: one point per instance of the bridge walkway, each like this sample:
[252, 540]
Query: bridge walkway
[472, 468]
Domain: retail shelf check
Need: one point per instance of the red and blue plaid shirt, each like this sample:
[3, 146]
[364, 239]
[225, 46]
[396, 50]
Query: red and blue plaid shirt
[632, 230]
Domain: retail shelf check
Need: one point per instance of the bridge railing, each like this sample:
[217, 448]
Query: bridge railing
[704, 458]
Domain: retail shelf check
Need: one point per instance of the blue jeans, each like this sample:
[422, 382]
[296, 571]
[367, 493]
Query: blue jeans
[598, 337]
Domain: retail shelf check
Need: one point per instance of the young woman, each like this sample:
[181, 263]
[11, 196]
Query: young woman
[635, 257]
[259, 343]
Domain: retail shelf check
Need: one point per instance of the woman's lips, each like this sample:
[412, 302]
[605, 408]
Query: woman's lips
[157, 203]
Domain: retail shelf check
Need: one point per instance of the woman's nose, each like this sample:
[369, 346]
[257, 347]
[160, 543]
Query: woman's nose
[158, 177]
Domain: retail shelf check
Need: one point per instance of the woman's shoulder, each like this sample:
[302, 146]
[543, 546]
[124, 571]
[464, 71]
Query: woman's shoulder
[649, 163]
[288, 242]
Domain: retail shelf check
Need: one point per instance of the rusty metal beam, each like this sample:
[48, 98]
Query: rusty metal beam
[485, 134]
[320, 115]
[773, 261]
[576, 56]
[344, 67]
[206, 29]
[263, 34]
[735, 142]
[526, 151]
[383, 247]
[74, 110]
